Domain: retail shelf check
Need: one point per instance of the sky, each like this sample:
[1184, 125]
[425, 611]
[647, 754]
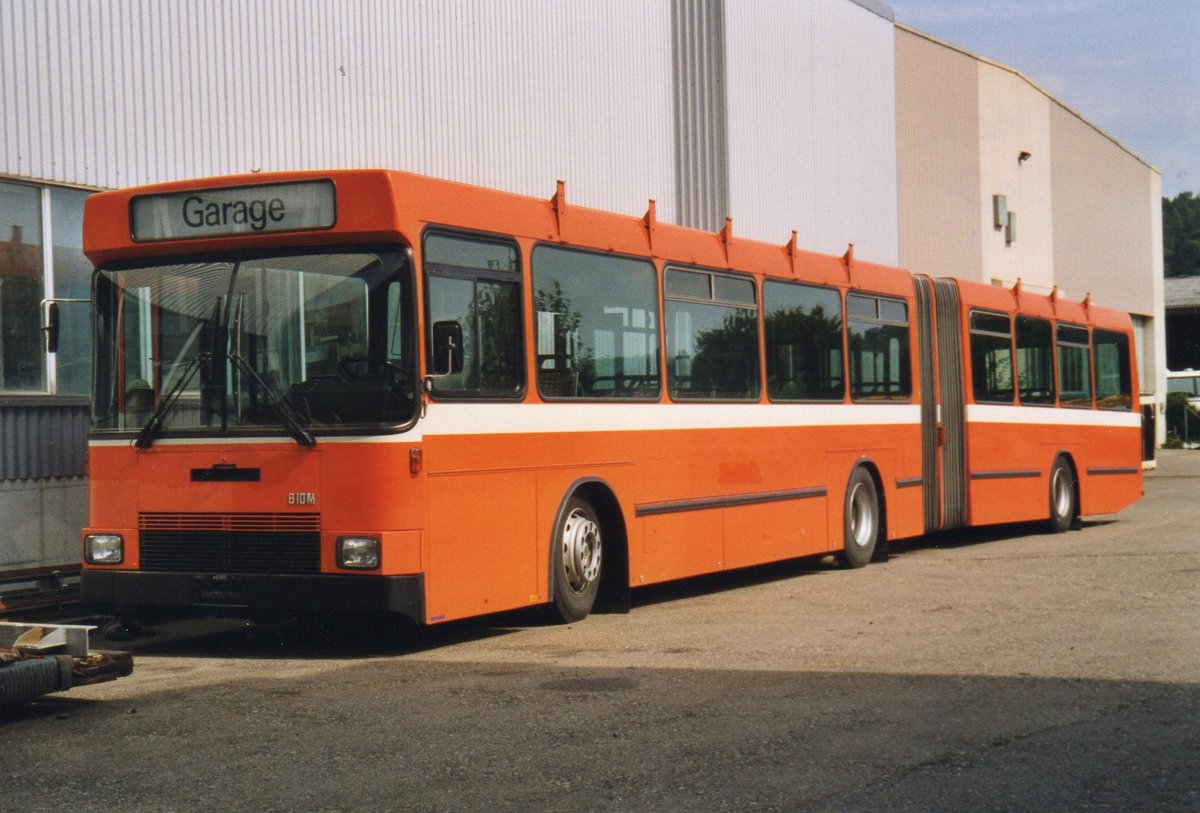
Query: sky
[1130, 67]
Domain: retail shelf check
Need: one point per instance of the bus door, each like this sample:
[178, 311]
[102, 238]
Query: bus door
[943, 407]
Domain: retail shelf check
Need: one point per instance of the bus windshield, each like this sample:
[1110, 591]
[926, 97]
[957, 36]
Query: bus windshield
[292, 344]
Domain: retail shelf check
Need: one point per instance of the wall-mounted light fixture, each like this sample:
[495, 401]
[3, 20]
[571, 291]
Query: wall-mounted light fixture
[1000, 211]
[1023, 156]
[1010, 229]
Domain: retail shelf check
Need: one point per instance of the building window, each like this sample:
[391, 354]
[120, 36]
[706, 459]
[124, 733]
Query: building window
[41, 257]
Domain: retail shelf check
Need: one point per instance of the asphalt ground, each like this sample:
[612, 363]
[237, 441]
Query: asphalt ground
[1000, 669]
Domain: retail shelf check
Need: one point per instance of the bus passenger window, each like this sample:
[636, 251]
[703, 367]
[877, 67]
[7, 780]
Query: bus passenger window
[1114, 387]
[712, 336]
[1074, 366]
[476, 283]
[804, 342]
[880, 358]
[991, 357]
[596, 323]
[1035, 360]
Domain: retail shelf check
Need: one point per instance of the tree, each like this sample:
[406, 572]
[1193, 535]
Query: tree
[1181, 235]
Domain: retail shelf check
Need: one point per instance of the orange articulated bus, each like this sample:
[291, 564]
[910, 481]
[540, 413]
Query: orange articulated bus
[372, 391]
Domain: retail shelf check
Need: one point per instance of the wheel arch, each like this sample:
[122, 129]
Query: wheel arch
[614, 593]
[1069, 458]
[872, 468]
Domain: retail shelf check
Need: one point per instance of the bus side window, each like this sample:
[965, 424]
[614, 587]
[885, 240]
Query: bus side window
[476, 282]
[804, 342]
[1035, 360]
[991, 357]
[880, 358]
[596, 319]
[1074, 366]
[1114, 380]
[712, 335]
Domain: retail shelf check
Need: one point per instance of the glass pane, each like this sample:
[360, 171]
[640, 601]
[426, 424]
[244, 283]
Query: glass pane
[1074, 369]
[597, 325]
[804, 342]
[892, 311]
[1035, 360]
[862, 307]
[990, 323]
[712, 351]
[472, 255]
[1113, 374]
[734, 291]
[22, 289]
[991, 367]
[687, 284]
[489, 313]
[880, 367]
[72, 280]
[300, 338]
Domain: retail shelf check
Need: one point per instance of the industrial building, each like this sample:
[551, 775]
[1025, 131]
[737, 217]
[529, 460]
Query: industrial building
[822, 117]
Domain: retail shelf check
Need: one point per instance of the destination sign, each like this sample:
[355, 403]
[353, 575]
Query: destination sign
[238, 210]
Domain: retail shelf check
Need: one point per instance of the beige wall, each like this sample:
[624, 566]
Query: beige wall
[1015, 118]
[938, 167]
[1106, 207]
[1089, 212]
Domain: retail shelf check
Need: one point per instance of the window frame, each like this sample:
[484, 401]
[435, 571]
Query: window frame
[516, 276]
[1086, 346]
[842, 347]
[972, 332]
[667, 330]
[907, 397]
[658, 315]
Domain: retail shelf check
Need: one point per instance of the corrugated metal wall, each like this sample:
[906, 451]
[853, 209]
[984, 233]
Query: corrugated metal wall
[508, 94]
[43, 440]
[701, 123]
[812, 125]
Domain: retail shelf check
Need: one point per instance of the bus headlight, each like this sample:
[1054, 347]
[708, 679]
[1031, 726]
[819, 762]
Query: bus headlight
[358, 552]
[103, 549]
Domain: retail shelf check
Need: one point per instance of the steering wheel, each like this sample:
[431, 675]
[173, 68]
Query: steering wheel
[362, 368]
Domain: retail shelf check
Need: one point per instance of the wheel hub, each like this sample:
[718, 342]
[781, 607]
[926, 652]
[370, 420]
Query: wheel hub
[580, 550]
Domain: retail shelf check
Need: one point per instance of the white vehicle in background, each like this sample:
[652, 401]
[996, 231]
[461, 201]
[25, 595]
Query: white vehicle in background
[1186, 423]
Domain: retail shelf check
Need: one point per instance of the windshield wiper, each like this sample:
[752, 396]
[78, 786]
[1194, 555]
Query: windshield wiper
[291, 420]
[158, 419]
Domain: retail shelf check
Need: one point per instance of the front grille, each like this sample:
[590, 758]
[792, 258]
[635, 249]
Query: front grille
[230, 543]
[229, 522]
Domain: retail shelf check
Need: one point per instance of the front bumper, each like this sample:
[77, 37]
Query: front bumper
[327, 594]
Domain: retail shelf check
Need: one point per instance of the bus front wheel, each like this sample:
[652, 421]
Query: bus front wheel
[1063, 507]
[862, 520]
[577, 557]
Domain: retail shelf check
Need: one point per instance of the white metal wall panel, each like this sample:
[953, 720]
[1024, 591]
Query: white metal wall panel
[509, 94]
[812, 125]
[702, 147]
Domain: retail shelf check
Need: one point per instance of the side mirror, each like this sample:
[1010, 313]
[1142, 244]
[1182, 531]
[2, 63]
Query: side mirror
[447, 348]
[51, 327]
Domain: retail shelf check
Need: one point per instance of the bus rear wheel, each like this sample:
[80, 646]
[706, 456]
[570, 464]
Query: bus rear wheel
[577, 559]
[1063, 507]
[862, 520]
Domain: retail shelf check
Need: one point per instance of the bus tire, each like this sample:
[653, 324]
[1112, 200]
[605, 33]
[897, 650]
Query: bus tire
[862, 520]
[576, 560]
[1064, 507]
